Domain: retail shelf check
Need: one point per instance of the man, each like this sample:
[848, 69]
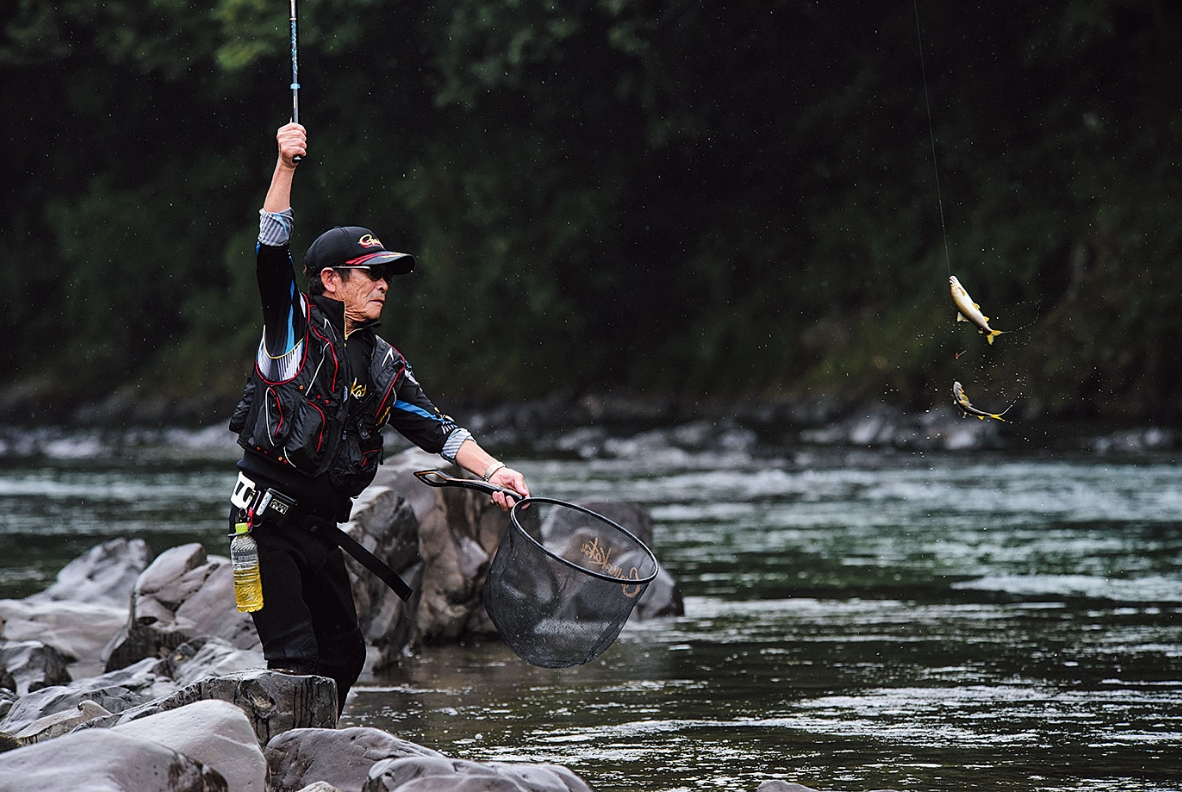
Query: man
[310, 424]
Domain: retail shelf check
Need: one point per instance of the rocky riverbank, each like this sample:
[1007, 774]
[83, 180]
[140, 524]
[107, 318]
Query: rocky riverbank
[138, 673]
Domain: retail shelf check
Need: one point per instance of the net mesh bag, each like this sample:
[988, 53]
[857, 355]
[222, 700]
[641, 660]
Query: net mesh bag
[563, 582]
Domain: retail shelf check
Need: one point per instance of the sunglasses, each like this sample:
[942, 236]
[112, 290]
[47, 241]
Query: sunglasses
[375, 274]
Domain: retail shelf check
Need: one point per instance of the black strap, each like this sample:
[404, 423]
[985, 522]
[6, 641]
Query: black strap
[284, 510]
[363, 556]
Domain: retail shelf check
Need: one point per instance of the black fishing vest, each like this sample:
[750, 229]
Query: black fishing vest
[310, 421]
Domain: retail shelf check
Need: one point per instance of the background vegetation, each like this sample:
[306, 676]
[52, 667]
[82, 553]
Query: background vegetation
[680, 198]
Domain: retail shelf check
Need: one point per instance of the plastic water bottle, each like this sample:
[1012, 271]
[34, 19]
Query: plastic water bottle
[244, 555]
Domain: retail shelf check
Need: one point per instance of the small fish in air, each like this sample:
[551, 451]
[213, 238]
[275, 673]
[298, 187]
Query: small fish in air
[966, 407]
[969, 311]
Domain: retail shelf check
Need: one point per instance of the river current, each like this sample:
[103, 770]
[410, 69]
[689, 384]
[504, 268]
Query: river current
[854, 619]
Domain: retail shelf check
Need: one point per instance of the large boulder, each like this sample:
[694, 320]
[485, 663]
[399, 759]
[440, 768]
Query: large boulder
[104, 575]
[442, 542]
[384, 523]
[59, 723]
[114, 692]
[204, 658]
[214, 732]
[274, 702]
[662, 598]
[77, 630]
[441, 774]
[84, 608]
[31, 666]
[182, 595]
[138, 684]
[453, 532]
[104, 761]
[340, 757]
[788, 786]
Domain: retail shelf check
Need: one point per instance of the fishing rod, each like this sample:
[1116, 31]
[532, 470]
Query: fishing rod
[295, 71]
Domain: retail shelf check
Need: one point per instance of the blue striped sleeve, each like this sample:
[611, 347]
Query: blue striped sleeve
[275, 227]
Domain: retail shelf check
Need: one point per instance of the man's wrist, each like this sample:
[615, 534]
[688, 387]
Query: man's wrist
[492, 468]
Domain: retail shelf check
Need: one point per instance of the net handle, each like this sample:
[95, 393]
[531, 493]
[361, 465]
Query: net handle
[437, 478]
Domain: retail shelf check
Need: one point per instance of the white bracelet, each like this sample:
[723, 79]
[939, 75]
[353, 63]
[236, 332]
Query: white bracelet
[493, 468]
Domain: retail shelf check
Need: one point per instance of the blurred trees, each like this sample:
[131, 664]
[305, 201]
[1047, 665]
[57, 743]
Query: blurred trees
[677, 198]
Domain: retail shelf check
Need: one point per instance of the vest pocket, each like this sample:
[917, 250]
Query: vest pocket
[242, 411]
[358, 462]
[307, 442]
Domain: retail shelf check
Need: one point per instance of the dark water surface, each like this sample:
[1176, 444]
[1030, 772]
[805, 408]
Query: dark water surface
[854, 619]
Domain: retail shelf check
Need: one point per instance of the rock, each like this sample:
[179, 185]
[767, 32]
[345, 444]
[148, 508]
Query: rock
[214, 732]
[440, 774]
[7, 699]
[1136, 440]
[87, 605]
[442, 541]
[458, 534]
[203, 658]
[454, 534]
[883, 426]
[385, 524]
[785, 786]
[59, 723]
[104, 761]
[77, 630]
[631, 518]
[341, 758]
[320, 786]
[662, 598]
[274, 702]
[542, 777]
[104, 575]
[182, 595]
[32, 665]
[115, 692]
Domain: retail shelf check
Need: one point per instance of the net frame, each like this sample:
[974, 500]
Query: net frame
[552, 631]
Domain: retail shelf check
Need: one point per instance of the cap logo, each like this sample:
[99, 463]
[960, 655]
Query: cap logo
[369, 240]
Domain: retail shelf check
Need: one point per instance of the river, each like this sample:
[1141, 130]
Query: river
[855, 619]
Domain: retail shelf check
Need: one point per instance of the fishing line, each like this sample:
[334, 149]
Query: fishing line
[932, 137]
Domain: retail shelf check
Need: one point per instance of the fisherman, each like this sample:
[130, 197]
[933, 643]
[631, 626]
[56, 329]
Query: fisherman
[310, 421]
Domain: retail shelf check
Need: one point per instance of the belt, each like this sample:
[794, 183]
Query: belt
[282, 509]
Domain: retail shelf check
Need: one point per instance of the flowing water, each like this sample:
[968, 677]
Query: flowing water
[853, 619]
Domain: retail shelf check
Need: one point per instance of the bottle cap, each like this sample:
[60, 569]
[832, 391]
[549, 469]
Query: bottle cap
[241, 528]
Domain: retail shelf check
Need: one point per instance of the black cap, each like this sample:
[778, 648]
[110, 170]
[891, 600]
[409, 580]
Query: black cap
[350, 247]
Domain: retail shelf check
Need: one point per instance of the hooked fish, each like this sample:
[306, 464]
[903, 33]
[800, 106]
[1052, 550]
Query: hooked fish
[969, 311]
[966, 407]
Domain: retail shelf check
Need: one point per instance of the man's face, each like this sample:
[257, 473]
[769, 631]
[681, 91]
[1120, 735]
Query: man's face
[363, 297]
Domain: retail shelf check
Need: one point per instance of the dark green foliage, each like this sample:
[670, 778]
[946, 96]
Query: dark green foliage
[678, 198]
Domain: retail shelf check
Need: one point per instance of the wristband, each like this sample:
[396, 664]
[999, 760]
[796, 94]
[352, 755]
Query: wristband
[493, 468]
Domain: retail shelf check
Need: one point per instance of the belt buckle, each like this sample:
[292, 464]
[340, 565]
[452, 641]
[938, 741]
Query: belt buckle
[243, 494]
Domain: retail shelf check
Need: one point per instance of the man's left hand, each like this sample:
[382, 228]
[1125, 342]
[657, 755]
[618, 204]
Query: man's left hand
[509, 479]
